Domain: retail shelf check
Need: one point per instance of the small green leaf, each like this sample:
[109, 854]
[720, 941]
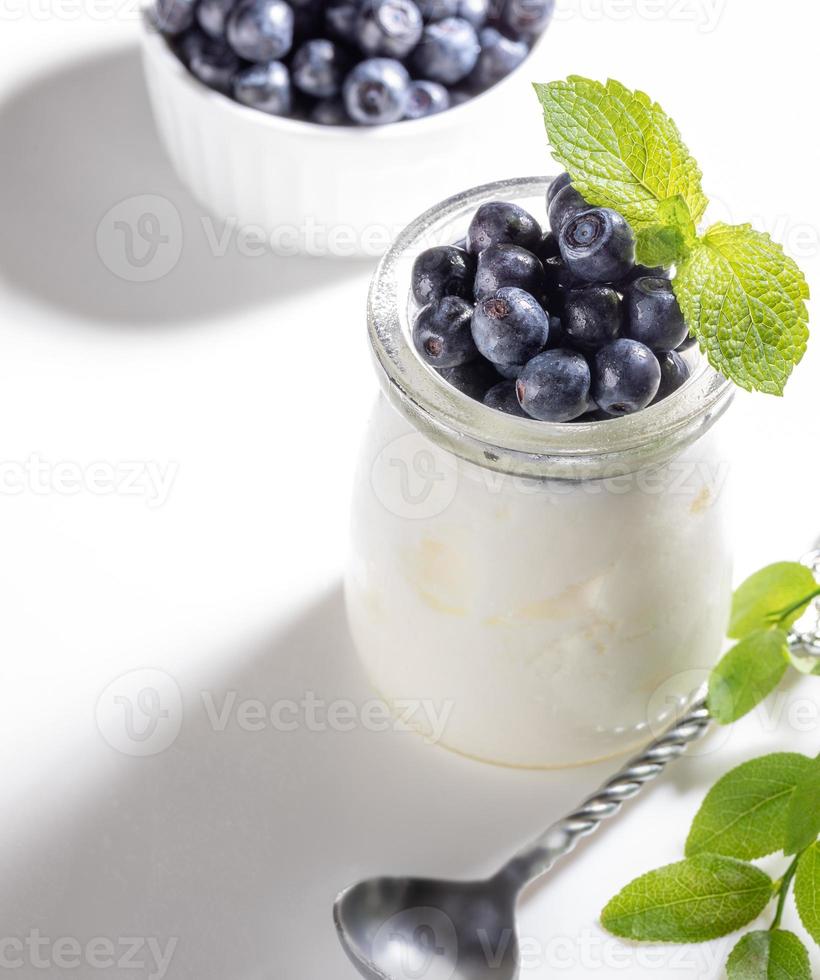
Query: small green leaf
[671, 238]
[775, 955]
[807, 890]
[744, 814]
[768, 592]
[620, 148]
[803, 814]
[747, 674]
[689, 902]
[744, 300]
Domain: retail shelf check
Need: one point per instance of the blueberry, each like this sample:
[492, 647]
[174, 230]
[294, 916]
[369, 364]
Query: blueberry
[508, 265]
[526, 18]
[597, 245]
[503, 398]
[330, 112]
[557, 184]
[554, 386]
[389, 28]
[473, 379]
[674, 373]
[592, 317]
[426, 99]
[211, 61]
[502, 223]
[448, 51]
[626, 377]
[438, 9]
[172, 17]
[497, 58]
[509, 371]
[342, 18]
[319, 68]
[547, 248]
[442, 333]
[261, 30]
[653, 314]
[375, 91]
[475, 12]
[212, 16]
[510, 326]
[265, 87]
[566, 203]
[444, 270]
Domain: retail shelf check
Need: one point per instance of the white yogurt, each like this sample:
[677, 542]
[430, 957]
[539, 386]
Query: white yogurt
[550, 622]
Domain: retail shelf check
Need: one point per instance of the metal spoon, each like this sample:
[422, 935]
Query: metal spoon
[428, 929]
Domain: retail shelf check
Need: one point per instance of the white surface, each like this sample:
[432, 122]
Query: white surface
[235, 841]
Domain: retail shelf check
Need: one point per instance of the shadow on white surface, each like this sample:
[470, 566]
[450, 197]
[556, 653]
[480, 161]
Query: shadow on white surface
[236, 842]
[80, 142]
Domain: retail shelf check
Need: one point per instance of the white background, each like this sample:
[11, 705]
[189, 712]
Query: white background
[248, 381]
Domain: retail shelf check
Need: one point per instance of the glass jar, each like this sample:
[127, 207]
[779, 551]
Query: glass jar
[527, 593]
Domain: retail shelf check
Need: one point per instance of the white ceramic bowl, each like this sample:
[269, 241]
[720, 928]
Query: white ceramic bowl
[327, 190]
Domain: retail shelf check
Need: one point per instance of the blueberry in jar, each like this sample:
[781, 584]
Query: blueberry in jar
[502, 223]
[508, 265]
[447, 52]
[444, 270]
[261, 30]
[674, 374]
[442, 332]
[375, 91]
[591, 317]
[473, 379]
[653, 314]
[426, 98]
[509, 326]
[627, 377]
[566, 203]
[503, 398]
[597, 245]
[391, 28]
[554, 386]
[264, 87]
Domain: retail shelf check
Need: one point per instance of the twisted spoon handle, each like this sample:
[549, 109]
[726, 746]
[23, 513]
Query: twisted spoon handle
[542, 853]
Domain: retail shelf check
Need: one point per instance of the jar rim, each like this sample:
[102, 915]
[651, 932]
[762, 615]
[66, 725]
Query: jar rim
[493, 439]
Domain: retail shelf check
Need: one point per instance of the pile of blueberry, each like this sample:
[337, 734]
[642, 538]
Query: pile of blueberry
[341, 62]
[557, 326]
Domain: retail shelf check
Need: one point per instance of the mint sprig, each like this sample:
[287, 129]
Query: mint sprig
[742, 297]
[766, 806]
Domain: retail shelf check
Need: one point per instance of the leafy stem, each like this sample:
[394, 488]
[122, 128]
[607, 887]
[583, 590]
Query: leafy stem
[782, 891]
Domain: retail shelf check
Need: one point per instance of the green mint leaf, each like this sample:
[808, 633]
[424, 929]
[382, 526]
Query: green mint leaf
[807, 891]
[671, 238]
[759, 600]
[771, 955]
[744, 814]
[747, 674]
[744, 300]
[803, 814]
[689, 902]
[621, 149]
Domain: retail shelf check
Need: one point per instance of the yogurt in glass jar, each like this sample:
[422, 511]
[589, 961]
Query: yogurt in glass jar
[549, 593]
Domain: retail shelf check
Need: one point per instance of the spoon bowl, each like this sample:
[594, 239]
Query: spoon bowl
[426, 929]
